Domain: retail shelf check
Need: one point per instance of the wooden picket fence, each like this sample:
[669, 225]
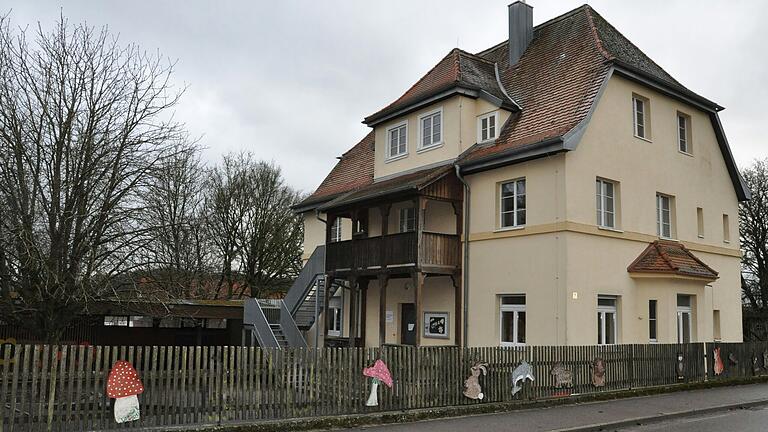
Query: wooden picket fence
[48, 388]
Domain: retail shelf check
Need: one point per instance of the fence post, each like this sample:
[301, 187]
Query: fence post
[706, 359]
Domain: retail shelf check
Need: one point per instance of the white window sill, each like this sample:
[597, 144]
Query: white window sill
[396, 158]
[685, 153]
[430, 147]
[512, 228]
[668, 238]
[512, 345]
[727, 241]
[488, 141]
[700, 236]
[605, 228]
[643, 138]
[334, 334]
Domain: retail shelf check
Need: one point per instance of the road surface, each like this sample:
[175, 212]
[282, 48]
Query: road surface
[742, 420]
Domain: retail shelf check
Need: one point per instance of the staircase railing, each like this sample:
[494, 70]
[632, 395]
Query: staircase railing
[305, 281]
[254, 317]
[290, 329]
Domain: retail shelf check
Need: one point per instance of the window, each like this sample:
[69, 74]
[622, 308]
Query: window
[487, 126]
[407, 219]
[606, 207]
[512, 320]
[700, 221]
[398, 140]
[684, 133]
[513, 204]
[216, 323]
[716, 325]
[726, 229]
[683, 318]
[606, 320]
[116, 321]
[140, 321]
[334, 316]
[640, 108]
[431, 128]
[652, 324]
[663, 216]
[336, 230]
[172, 322]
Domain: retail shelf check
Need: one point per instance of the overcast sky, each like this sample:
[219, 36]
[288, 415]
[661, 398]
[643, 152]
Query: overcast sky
[291, 81]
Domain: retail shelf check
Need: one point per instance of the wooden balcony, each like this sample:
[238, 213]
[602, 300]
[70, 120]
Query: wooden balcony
[436, 253]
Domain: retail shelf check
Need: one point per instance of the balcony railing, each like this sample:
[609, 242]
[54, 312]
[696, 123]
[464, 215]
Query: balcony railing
[394, 250]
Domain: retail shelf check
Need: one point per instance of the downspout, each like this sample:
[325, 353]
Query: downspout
[465, 269]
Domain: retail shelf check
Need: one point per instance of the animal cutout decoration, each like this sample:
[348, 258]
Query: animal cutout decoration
[680, 366]
[755, 365]
[598, 372]
[765, 359]
[123, 385]
[718, 366]
[380, 373]
[472, 387]
[563, 376]
[521, 373]
[732, 360]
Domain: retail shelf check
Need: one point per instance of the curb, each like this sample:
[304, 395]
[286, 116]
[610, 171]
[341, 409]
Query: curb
[638, 421]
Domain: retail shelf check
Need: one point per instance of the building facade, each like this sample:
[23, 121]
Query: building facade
[559, 188]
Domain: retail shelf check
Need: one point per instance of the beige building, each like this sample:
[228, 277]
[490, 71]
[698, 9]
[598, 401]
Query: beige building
[559, 188]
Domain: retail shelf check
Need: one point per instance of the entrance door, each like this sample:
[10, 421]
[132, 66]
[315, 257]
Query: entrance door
[408, 324]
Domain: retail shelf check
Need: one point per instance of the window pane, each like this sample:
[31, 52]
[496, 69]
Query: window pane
[606, 301]
[520, 186]
[600, 339]
[140, 321]
[610, 328]
[402, 135]
[641, 131]
[520, 202]
[652, 309]
[508, 189]
[508, 219]
[507, 327]
[521, 217]
[608, 220]
[686, 327]
[521, 327]
[507, 204]
[513, 300]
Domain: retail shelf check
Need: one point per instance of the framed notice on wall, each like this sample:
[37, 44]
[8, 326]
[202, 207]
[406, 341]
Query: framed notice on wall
[436, 324]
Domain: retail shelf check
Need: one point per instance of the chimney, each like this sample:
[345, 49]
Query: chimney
[520, 29]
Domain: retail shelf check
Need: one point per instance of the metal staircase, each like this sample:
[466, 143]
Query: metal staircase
[278, 323]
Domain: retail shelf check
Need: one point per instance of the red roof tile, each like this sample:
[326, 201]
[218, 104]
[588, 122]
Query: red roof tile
[671, 257]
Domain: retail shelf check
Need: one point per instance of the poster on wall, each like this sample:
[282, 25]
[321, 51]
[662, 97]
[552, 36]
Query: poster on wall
[436, 324]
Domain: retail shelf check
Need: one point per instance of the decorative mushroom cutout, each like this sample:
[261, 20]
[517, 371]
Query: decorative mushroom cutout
[380, 373]
[123, 385]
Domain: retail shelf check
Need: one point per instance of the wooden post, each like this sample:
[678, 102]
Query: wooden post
[383, 282]
[327, 286]
[363, 308]
[352, 310]
[384, 209]
[418, 289]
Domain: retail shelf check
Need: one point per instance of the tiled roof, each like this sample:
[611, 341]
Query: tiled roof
[457, 69]
[671, 257]
[402, 183]
[352, 171]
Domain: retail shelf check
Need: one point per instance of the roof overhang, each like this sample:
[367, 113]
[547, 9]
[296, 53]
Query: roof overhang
[436, 96]
[540, 149]
[665, 275]
[312, 204]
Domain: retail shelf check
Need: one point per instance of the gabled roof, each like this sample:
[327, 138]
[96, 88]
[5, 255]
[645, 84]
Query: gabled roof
[665, 257]
[459, 70]
[404, 183]
[353, 170]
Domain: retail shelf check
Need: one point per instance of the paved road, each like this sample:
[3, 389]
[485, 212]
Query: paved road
[742, 420]
[582, 415]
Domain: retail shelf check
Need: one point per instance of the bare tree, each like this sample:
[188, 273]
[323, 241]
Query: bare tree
[83, 122]
[249, 219]
[753, 233]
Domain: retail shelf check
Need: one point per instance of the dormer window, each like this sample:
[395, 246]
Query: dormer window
[398, 140]
[431, 129]
[487, 127]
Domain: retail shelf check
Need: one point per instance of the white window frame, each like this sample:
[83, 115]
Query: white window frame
[336, 230]
[424, 116]
[601, 198]
[653, 319]
[660, 223]
[515, 309]
[684, 134]
[516, 223]
[644, 124]
[488, 116]
[407, 223]
[685, 314]
[335, 317]
[116, 321]
[602, 312]
[404, 153]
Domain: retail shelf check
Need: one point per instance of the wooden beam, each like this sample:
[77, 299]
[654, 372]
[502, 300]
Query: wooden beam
[418, 292]
[352, 310]
[383, 282]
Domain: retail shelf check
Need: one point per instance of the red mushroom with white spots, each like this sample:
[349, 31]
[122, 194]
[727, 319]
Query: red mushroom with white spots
[124, 385]
[380, 373]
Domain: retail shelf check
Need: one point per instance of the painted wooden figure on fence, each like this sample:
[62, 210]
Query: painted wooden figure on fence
[765, 359]
[598, 372]
[124, 385]
[563, 376]
[521, 373]
[718, 366]
[680, 366]
[472, 387]
[380, 373]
